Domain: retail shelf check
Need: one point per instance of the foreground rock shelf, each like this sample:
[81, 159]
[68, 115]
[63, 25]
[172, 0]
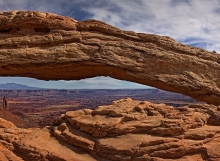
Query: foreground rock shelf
[52, 47]
[123, 131]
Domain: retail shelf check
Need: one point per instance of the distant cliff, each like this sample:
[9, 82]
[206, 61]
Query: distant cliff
[10, 86]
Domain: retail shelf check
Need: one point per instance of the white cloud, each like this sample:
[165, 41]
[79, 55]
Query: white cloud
[101, 83]
[55, 6]
[179, 19]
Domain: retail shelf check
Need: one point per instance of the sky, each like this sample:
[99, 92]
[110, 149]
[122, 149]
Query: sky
[191, 22]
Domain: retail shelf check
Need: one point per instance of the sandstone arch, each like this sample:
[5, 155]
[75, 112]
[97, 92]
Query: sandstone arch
[52, 47]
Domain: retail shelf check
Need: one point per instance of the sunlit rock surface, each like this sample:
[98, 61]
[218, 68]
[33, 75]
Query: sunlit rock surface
[125, 130]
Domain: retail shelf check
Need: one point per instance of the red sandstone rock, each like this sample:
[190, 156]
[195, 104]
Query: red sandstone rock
[135, 130]
[125, 130]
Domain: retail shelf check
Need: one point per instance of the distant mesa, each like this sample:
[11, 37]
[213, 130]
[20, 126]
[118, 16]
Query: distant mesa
[14, 86]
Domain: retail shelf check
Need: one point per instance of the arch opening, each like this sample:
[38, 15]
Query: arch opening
[41, 102]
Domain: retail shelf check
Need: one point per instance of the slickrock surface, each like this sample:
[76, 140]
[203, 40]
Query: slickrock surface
[37, 145]
[52, 47]
[139, 131]
[126, 130]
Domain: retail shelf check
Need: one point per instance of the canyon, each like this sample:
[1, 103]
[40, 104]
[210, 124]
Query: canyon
[51, 47]
[39, 107]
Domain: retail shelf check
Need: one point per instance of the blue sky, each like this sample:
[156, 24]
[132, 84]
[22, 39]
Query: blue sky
[192, 22]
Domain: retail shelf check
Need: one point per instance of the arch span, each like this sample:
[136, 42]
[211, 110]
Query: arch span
[66, 49]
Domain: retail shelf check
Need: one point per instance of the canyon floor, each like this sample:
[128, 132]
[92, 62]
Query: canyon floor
[38, 108]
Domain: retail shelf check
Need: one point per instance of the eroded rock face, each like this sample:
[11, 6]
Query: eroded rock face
[52, 47]
[126, 130]
[135, 130]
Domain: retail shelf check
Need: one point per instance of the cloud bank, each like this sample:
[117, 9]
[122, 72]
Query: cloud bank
[192, 22]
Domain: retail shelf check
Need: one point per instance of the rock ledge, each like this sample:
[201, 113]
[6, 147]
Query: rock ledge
[125, 130]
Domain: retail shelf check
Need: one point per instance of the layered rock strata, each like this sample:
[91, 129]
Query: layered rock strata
[52, 47]
[126, 130]
[139, 130]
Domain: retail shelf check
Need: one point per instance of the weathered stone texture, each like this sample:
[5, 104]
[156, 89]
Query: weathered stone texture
[123, 131]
